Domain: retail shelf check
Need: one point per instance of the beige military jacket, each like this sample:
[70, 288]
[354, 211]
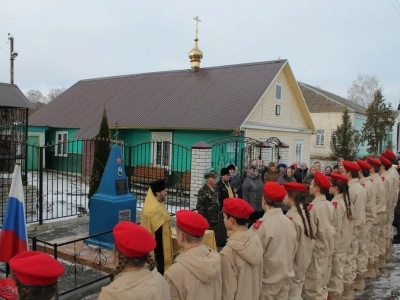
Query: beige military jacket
[387, 185]
[196, 274]
[358, 197]
[137, 285]
[278, 239]
[394, 191]
[370, 204]
[305, 245]
[377, 183]
[242, 266]
[322, 213]
[343, 226]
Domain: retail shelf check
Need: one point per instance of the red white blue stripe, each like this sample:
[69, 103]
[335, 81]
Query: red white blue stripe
[13, 236]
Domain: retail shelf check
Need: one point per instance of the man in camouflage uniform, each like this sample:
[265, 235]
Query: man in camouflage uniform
[207, 201]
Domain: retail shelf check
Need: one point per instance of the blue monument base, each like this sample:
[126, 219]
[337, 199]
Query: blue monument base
[106, 211]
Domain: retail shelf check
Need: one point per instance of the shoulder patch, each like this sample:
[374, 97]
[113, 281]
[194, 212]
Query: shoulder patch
[383, 178]
[372, 180]
[363, 185]
[335, 204]
[290, 218]
[257, 224]
[310, 206]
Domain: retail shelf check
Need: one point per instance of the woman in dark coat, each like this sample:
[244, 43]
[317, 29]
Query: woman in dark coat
[252, 192]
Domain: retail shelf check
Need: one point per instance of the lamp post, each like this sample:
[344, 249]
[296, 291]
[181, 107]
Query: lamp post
[13, 55]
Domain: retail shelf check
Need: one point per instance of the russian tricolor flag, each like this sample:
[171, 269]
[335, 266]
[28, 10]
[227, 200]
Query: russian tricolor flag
[13, 236]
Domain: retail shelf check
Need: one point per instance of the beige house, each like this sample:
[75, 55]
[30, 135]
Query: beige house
[326, 111]
[282, 112]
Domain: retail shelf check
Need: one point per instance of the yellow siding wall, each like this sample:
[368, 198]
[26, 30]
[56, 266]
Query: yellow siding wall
[286, 137]
[291, 114]
[327, 122]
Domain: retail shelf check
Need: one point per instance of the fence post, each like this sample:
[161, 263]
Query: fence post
[40, 196]
[34, 243]
[201, 160]
[130, 168]
[8, 271]
[55, 249]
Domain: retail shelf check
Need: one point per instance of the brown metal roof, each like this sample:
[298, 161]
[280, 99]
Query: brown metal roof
[11, 96]
[211, 98]
[319, 100]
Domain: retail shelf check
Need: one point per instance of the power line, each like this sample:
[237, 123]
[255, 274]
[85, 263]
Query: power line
[395, 6]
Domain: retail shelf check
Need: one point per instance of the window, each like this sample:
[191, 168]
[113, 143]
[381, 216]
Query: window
[278, 91]
[320, 140]
[62, 145]
[334, 137]
[299, 145]
[162, 148]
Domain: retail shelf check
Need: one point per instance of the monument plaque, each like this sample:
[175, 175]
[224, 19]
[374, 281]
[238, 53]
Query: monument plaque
[121, 187]
[125, 215]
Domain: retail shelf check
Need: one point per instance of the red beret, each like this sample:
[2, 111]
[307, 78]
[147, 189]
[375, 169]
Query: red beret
[322, 181]
[294, 186]
[339, 177]
[385, 161]
[273, 191]
[191, 222]
[364, 165]
[387, 156]
[391, 154]
[133, 240]
[350, 166]
[8, 290]
[373, 161]
[36, 268]
[238, 208]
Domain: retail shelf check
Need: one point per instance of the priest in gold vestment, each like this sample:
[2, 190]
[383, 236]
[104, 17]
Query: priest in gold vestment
[156, 219]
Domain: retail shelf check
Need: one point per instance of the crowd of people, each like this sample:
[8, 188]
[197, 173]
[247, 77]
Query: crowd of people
[287, 239]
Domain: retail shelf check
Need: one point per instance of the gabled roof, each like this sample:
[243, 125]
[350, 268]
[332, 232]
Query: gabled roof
[211, 98]
[11, 96]
[319, 101]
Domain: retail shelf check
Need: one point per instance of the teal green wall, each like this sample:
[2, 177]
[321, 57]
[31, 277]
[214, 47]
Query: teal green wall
[37, 128]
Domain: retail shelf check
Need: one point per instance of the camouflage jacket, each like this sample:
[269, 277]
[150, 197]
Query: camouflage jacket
[208, 204]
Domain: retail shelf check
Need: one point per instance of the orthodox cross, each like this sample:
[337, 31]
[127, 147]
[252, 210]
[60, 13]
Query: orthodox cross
[116, 131]
[197, 23]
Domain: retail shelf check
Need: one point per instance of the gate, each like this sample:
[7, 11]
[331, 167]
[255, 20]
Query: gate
[238, 150]
[275, 144]
[160, 159]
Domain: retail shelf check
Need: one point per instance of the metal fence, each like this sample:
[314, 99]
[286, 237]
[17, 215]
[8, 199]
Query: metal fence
[56, 177]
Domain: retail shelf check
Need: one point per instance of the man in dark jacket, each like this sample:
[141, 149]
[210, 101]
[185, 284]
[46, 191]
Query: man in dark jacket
[301, 172]
[207, 202]
[235, 180]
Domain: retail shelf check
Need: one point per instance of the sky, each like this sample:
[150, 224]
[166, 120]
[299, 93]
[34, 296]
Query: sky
[327, 43]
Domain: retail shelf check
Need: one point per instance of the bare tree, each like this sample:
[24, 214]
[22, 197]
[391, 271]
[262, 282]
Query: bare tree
[362, 89]
[37, 99]
[54, 93]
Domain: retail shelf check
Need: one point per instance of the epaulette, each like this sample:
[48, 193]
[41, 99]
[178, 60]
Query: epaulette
[310, 206]
[335, 204]
[257, 224]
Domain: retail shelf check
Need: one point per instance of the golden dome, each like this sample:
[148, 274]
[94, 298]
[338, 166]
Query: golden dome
[195, 54]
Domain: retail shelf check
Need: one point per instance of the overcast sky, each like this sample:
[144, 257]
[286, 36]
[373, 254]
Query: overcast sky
[327, 43]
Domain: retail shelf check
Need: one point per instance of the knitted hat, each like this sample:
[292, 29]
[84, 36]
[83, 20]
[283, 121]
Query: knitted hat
[231, 167]
[224, 171]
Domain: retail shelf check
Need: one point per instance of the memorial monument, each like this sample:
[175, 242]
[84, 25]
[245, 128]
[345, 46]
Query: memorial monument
[112, 202]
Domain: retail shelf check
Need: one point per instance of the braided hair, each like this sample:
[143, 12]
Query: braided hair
[299, 201]
[26, 292]
[344, 189]
[139, 262]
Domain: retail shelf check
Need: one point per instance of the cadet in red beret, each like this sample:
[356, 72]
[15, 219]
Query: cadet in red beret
[343, 235]
[357, 254]
[242, 257]
[8, 290]
[278, 238]
[370, 218]
[196, 273]
[133, 243]
[390, 179]
[319, 270]
[36, 274]
[380, 200]
[305, 229]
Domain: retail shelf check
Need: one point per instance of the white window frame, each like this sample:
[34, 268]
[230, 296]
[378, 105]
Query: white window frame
[301, 144]
[63, 145]
[320, 138]
[161, 138]
[280, 85]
